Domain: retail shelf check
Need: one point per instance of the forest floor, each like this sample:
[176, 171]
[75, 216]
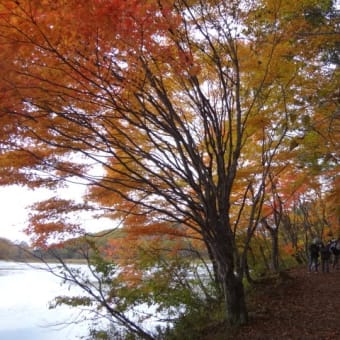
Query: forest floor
[299, 305]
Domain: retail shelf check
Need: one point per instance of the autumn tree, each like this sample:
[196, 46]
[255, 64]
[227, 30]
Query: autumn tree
[185, 106]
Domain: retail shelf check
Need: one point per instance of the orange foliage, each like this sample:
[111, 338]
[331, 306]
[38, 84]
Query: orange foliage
[288, 249]
[185, 125]
[50, 224]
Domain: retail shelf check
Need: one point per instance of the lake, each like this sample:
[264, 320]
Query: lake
[25, 293]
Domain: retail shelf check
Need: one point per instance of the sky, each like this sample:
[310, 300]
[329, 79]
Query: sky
[14, 202]
[14, 210]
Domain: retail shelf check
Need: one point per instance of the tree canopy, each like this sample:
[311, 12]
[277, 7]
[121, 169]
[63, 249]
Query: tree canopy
[201, 120]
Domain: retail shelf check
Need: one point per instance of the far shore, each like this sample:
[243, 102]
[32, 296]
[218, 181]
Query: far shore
[35, 260]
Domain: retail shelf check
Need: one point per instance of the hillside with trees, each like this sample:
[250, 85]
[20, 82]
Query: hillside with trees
[207, 131]
[23, 252]
[11, 251]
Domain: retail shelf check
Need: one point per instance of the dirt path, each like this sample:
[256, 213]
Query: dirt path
[303, 306]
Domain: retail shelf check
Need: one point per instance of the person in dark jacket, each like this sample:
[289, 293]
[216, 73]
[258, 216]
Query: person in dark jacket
[325, 253]
[335, 249]
[314, 250]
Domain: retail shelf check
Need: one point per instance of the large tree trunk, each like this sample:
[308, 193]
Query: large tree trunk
[230, 282]
[237, 313]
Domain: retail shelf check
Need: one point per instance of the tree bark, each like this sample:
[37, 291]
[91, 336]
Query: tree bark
[274, 236]
[275, 249]
[231, 284]
[237, 313]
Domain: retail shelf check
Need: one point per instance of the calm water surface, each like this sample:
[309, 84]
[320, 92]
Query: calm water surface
[25, 293]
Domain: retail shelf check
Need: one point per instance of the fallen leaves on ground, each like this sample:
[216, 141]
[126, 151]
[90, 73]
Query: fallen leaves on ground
[301, 306]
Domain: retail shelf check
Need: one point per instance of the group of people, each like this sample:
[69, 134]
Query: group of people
[328, 252]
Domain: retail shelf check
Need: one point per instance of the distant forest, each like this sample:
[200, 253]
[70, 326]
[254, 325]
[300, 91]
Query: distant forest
[12, 251]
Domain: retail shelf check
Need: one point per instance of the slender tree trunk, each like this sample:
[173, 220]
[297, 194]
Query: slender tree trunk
[264, 257]
[246, 271]
[274, 237]
[275, 249]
